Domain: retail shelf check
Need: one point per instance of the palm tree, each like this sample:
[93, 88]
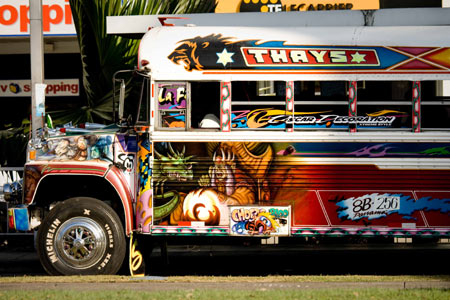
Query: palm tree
[13, 144]
[102, 55]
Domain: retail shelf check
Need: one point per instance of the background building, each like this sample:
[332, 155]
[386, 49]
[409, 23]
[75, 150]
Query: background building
[62, 60]
[229, 6]
[63, 71]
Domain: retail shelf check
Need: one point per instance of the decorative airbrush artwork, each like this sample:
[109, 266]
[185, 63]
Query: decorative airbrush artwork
[172, 96]
[352, 111]
[172, 104]
[77, 148]
[200, 184]
[225, 106]
[372, 206]
[170, 167]
[272, 118]
[354, 149]
[260, 221]
[218, 52]
[144, 214]
[289, 104]
[198, 181]
[416, 92]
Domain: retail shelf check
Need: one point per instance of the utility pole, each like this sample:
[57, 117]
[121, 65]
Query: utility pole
[37, 67]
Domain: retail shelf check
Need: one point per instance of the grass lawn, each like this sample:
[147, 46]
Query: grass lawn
[263, 292]
[324, 278]
[366, 294]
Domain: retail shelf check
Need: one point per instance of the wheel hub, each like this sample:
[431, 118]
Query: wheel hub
[80, 242]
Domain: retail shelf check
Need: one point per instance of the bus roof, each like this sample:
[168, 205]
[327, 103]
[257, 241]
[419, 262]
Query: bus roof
[297, 53]
[137, 26]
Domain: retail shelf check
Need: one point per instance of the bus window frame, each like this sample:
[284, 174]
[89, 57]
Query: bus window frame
[187, 109]
[143, 100]
[408, 104]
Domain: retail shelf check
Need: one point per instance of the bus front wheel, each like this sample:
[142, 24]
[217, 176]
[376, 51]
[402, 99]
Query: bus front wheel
[81, 236]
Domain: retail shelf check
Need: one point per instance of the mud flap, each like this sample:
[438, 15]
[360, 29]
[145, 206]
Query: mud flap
[136, 260]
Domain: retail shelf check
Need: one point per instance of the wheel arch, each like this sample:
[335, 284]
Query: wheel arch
[54, 188]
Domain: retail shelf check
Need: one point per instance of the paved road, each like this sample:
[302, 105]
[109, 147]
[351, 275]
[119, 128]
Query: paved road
[18, 258]
[260, 261]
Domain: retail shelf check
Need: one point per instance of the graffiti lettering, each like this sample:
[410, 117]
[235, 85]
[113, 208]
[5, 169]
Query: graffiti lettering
[279, 213]
[136, 258]
[370, 213]
[306, 56]
[362, 204]
[172, 96]
[380, 203]
[267, 117]
[254, 222]
[260, 220]
[371, 206]
[243, 214]
[360, 120]
[292, 119]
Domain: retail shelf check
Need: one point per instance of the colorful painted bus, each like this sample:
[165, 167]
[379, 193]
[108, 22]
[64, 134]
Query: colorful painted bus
[297, 131]
[258, 132]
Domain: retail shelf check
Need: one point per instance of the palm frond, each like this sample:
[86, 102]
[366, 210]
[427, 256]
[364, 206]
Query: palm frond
[13, 144]
[102, 55]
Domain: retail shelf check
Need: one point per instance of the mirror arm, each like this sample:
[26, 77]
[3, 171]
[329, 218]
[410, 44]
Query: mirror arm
[121, 93]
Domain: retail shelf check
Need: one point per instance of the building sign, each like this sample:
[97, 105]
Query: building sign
[56, 18]
[55, 87]
[231, 6]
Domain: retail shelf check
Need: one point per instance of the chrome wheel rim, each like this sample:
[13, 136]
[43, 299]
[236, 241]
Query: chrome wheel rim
[80, 243]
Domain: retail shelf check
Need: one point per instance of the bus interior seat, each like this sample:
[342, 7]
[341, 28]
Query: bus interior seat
[210, 121]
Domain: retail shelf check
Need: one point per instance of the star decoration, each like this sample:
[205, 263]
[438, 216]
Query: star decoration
[87, 212]
[225, 57]
[358, 58]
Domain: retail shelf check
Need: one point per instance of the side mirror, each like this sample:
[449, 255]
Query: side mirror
[121, 95]
[121, 99]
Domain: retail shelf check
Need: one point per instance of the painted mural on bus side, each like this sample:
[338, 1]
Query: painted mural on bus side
[197, 183]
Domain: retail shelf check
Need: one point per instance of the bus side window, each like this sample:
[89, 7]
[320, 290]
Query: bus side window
[142, 103]
[172, 105]
[255, 103]
[435, 105]
[205, 105]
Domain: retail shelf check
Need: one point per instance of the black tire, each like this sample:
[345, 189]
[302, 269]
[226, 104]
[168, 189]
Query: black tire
[81, 236]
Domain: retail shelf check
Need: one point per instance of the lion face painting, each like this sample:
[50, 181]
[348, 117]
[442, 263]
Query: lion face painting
[199, 52]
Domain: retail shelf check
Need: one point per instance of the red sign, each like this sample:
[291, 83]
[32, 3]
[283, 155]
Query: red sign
[259, 56]
[56, 17]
